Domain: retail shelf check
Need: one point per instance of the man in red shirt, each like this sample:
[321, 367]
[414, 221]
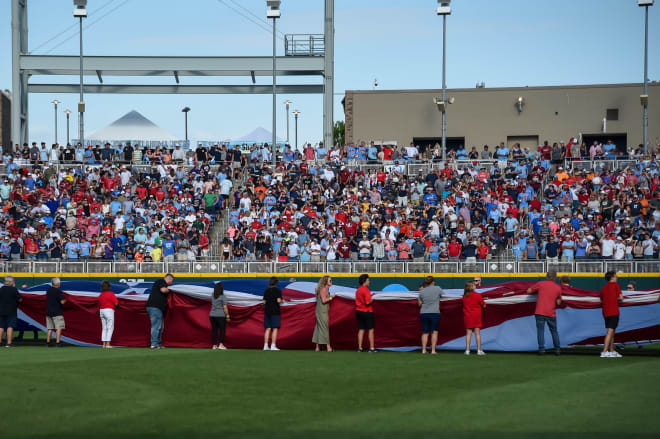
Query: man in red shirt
[610, 296]
[364, 312]
[549, 296]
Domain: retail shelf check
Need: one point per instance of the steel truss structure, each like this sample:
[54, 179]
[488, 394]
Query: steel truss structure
[25, 65]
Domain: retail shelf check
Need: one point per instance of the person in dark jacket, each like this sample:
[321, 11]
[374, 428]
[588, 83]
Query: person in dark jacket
[9, 300]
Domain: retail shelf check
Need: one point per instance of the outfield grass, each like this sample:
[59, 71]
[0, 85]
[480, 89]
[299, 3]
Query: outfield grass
[185, 393]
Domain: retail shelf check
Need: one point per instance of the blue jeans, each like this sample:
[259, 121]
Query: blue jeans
[156, 317]
[540, 331]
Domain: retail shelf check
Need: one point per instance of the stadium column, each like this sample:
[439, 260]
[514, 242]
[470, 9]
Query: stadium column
[19, 46]
[328, 74]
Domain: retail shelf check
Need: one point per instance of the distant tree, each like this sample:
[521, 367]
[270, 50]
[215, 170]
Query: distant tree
[339, 133]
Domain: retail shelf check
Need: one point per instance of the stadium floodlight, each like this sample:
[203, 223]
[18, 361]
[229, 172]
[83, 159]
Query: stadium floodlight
[645, 102]
[287, 103]
[185, 111]
[80, 12]
[274, 13]
[68, 113]
[442, 105]
[55, 102]
[296, 113]
[520, 103]
[444, 8]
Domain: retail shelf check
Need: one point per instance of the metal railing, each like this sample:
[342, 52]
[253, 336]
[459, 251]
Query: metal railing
[394, 267]
[304, 45]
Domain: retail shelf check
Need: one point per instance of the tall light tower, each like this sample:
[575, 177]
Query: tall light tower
[81, 13]
[287, 103]
[444, 9]
[296, 113]
[645, 97]
[185, 111]
[274, 13]
[68, 112]
[55, 102]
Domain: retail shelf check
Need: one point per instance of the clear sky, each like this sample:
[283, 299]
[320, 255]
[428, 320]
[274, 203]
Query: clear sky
[503, 43]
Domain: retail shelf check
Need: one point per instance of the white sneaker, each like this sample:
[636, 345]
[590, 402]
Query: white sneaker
[605, 355]
[467, 352]
[266, 348]
[274, 348]
[222, 347]
[481, 353]
[615, 354]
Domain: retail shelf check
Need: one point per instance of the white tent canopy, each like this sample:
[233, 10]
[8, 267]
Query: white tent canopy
[132, 126]
[259, 135]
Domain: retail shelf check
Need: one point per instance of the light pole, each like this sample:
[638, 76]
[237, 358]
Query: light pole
[55, 102]
[645, 97]
[287, 103]
[185, 111]
[444, 9]
[274, 13]
[68, 112]
[81, 13]
[296, 113]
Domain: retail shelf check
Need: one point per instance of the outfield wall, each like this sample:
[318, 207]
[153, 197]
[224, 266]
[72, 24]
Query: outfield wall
[590, 281]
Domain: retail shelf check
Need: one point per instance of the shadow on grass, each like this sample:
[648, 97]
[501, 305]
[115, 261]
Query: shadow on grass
[307, 434]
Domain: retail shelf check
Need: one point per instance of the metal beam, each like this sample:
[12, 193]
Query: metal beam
[329, 70]
[98, 73]
[176, 89]
[254, 80]
[176, 76]
[19, 46]
[165, 65]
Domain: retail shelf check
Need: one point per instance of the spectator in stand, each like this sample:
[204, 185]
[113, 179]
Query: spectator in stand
[548, 298]
[610, 296]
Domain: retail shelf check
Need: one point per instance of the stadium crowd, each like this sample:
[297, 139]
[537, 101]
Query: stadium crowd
[346, 203]
[320, 205]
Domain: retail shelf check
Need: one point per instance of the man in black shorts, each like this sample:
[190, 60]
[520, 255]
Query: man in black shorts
[364, 312]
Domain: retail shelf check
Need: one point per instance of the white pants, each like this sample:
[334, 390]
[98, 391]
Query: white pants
[107, 323]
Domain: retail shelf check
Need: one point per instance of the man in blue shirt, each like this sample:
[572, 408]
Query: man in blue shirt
[72, 249]
[567, 249]
[361, 152]
[610, 150]
[502, 152]
[351, 152]
[169, 248]
[321, 152]
[85, 248]
[372, 152]
[552, 249]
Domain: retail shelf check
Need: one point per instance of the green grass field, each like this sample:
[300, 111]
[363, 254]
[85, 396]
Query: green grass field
[185, 393]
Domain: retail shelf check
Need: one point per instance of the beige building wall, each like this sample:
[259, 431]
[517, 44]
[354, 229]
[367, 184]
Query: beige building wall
[489, 115]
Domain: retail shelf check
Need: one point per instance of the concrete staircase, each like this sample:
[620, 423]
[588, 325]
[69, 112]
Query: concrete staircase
[219, 229]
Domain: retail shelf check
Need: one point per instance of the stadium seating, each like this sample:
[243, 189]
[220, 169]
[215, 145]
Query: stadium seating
[356, 203]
